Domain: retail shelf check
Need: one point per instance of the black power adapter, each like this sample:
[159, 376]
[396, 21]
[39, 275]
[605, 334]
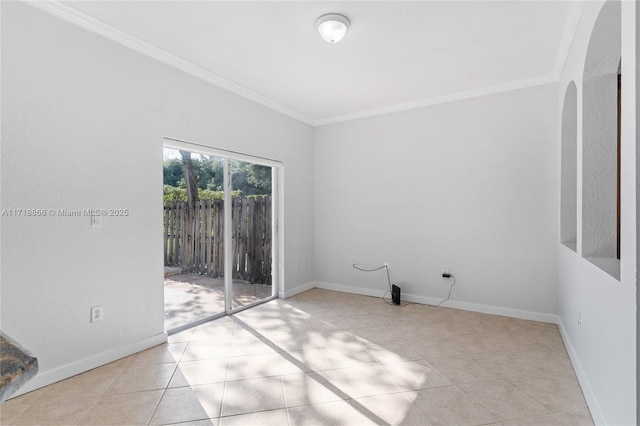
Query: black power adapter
[395, 294]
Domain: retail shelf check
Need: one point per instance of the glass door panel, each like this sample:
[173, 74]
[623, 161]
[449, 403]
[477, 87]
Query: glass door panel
[251, 233]
[193, 222]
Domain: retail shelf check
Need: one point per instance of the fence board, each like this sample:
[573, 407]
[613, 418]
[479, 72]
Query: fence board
[208, 237]
[198, 247]
[218, 221]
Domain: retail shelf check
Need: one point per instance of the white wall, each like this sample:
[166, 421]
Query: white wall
[83, 120]
[469, 186]
[603, 349]
[637, 111]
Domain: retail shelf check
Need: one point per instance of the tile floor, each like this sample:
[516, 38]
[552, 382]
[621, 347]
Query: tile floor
[325, 358]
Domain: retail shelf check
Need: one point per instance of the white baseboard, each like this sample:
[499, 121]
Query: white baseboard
[465, 306]
[296, 290]
[349, 289]
[45, 378]
[587, 391]
[487, 309]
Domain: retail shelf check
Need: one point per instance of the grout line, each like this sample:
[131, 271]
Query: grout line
[159, 400]
[224, 394]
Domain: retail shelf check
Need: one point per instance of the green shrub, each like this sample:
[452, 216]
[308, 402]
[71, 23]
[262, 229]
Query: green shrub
[174, 193]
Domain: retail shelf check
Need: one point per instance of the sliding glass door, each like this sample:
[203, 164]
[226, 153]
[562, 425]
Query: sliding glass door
[251, 232]
[220, 244]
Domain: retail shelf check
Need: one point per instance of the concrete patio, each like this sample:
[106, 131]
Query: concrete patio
[191, 297]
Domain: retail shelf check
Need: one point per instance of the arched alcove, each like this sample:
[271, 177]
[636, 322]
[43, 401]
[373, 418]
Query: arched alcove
[569, 168]
[599, 141]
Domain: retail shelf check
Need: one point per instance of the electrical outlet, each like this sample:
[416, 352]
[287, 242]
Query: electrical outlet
[579, 319]
[444, 271]
[97, 314]
[96, 220]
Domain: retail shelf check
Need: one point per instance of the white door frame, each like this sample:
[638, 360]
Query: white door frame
[276, 235]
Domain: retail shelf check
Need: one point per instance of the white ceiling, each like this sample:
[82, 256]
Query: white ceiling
[397, 54]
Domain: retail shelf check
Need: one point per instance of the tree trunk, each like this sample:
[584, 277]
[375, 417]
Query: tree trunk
[190, 178]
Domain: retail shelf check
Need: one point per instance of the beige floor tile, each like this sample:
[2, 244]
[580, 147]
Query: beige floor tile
[448, 406]
[188, 404]
[207, 422]
[463, 369]
[473, 344]
[432, 349]
[253, 327]
[161, 354]
[295, 342]
[182, 337]
[118, 364]
[249, 396]
[503, 401]
[327, 414]
[392, 409]
[243, 330]
[549, 339]
[55, 409]
[311, 388]
[556, 394]
[11, 408]
[290, 322]
[199, 350]
[142, 378]
[352, 355]
[319, 324]
[262, 418]
[253, 366]
[360, 321]
[28, 398]
[363, 381]
[250, 346]
[415, 375]
[549, 363]
[214, 330]
[391, 351]
[124, 409]
[580, 417]
[191, 373]
[380, 335]
[302, 361]
[92, 383]
[337, 338]
[258, 314]
[506, 365]
[290, 326]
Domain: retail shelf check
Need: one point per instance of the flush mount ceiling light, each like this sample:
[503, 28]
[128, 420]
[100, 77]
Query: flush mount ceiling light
[332, 27]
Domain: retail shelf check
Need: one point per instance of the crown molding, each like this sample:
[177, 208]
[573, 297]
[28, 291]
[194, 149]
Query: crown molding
[569, 34]
[458, 96]
[96, 26]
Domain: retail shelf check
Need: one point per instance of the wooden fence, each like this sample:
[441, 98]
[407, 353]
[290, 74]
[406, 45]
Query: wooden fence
[199, 247]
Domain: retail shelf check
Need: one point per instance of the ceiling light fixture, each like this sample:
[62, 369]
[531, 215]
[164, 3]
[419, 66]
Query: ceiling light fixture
[332, 27]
